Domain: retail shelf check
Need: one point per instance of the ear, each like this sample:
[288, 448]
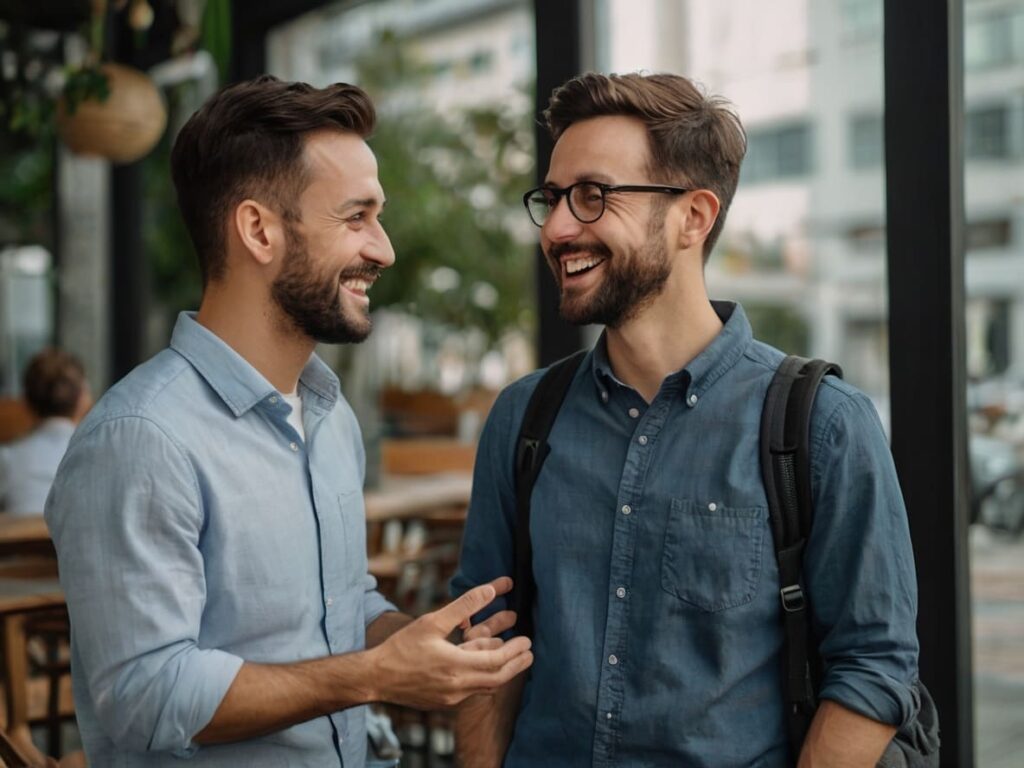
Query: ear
[260, 230]
[699, 212]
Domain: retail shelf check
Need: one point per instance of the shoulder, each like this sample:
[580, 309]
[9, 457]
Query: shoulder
[511, 403]
[142, 394]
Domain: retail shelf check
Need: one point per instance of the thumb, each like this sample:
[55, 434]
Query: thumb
[459, 611]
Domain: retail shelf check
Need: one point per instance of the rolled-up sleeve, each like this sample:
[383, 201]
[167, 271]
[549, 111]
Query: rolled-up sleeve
[488, 539]
[859, 564]
[126, 515]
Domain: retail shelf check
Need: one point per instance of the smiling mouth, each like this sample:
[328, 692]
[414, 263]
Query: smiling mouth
[582, 264]
[357, 285]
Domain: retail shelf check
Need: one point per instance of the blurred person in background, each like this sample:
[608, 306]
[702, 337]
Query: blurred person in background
[658, 619]
[57, 394]
[208, 516]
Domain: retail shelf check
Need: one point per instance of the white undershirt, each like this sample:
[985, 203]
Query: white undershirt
[295, 417]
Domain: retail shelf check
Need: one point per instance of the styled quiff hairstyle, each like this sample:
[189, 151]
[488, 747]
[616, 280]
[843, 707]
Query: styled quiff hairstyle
[53, 382]
[247, 141]
[696, 141]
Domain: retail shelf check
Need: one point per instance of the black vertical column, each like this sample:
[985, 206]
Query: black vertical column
[924, 187]
[129, 273]
[558, 59]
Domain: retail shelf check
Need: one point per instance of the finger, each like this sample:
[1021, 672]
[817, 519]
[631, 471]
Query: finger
[493, 660]
[502, 585]
[460, 610]
[482, 644]
[493, 626]
[486, 682]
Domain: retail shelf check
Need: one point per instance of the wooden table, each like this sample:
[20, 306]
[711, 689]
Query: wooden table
[20, 597]
[24, 535]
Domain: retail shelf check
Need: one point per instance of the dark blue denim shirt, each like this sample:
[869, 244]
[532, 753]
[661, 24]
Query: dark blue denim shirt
[658, 619]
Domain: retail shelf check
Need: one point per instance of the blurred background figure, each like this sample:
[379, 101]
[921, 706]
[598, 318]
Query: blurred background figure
[57, 394]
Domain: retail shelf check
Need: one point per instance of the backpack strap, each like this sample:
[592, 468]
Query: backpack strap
[786, 471]
[531, 450]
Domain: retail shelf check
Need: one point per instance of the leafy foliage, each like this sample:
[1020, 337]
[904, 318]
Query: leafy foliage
[454, 184]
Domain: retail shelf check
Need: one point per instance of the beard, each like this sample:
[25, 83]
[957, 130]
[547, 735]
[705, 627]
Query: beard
[312, 303]
[631, 281]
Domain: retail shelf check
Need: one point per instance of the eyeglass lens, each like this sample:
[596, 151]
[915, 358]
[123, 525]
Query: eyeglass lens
[586, 202]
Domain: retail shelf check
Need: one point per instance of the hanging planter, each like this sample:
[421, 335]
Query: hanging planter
[122, 127]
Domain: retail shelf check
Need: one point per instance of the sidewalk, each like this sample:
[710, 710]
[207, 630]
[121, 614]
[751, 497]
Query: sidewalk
[997, 594]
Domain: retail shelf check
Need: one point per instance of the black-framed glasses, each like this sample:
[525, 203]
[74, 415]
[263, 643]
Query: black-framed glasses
[586, 198]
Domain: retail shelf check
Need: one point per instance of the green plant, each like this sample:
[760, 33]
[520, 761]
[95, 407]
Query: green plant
[454, 183]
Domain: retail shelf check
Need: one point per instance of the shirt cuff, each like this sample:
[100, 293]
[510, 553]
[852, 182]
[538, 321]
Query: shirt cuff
[879, 697]
[202, 683]
[374, 604]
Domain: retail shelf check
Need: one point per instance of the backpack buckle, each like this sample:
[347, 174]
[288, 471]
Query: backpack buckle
[792, 598]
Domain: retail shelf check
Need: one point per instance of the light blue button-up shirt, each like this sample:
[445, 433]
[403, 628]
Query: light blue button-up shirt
[196, 529]
[658, 620]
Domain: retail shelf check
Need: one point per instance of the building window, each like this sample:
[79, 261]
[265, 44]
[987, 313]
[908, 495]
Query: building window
[780, 152]
[987, 133]
[866, 238]
[988, 233]
[861, 18]
[989, 41]
[866, 141]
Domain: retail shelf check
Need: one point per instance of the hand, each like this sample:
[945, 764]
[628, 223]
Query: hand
[417, 666]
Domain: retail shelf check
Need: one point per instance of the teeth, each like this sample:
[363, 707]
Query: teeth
[357, 285]
[572, 266]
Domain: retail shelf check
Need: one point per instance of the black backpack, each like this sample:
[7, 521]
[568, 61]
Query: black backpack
[785, 469]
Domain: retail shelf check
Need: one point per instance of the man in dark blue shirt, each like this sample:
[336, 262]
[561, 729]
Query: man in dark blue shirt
[658, 621]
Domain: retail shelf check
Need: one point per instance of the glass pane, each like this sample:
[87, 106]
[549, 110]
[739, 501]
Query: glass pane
[803, 246]
[993, 149]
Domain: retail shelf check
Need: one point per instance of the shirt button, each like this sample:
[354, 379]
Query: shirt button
[620, 592]
[712, 507]
[604, 397]
[626, 509]
[294, 446]
[608, 716]
[330, 601]
[633, 412]
[642, 439]
[273, 399]
[692, 400]
[613, 659]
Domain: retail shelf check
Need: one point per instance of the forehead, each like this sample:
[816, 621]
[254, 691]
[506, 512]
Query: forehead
[340, 163]
[612, 149]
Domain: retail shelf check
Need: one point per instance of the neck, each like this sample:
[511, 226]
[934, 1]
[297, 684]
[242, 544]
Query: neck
[255, 331]
[662, 339]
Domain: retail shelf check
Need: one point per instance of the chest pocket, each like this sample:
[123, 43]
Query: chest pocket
[712, 557]
[353, 525]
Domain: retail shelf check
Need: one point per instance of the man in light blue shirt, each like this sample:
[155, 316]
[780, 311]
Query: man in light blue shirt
[208, 515]
[658, 621]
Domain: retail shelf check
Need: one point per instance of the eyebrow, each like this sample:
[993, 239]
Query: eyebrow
[361, 202]
[600, 178]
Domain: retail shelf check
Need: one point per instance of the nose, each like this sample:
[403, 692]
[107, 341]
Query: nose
[379, 250]
[561, 225]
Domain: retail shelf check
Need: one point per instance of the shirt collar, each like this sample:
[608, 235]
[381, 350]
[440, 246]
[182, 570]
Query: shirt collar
[704, 370]
[234, 380]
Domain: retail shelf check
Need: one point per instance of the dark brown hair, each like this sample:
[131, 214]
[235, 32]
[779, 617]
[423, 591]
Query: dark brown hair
[53, 383]
[696, 141]
[247, 141]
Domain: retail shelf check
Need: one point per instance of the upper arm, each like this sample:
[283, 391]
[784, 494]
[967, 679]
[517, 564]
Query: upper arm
[126, 516]
[859, 564]
[487, 542]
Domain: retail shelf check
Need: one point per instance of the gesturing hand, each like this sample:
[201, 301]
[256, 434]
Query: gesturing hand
[418, 667]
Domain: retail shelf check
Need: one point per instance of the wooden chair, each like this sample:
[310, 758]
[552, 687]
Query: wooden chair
[15, 419]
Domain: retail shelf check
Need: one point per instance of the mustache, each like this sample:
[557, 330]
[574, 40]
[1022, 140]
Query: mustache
[558, 250]
[368, 272]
